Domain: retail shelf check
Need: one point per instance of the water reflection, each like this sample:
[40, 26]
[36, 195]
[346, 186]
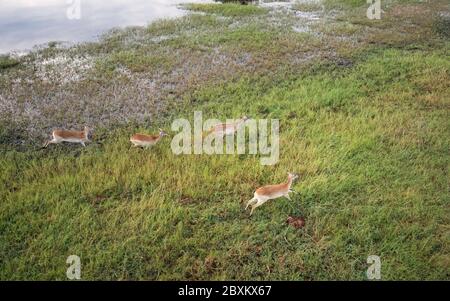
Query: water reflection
[25, 23]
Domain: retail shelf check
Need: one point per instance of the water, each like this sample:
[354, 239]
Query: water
[26, 23]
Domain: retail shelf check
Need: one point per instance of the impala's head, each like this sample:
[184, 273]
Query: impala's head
[87, 130]
[292, 176]
[162, 133]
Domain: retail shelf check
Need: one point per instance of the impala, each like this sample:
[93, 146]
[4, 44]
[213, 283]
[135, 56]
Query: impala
[270, 192]
[146, 141]
[69, 136]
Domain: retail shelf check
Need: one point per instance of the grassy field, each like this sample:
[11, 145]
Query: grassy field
[364, 110]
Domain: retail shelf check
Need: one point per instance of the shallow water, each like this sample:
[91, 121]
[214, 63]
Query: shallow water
[26, 23]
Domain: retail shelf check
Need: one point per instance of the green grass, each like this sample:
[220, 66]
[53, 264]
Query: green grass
[370, 141]
[227, 9]
[7, 62]
[339, 4]
[137, 61]
[245, 38]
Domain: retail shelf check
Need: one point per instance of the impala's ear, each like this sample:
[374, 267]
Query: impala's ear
[162, 133]
[292, 175]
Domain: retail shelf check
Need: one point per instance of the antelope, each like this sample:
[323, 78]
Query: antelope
[270, 192]
[143, 140]
[69, 136]
[224, 129]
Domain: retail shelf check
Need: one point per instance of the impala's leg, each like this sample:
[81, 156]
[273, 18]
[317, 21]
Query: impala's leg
[258, 203]
[82, 143]
[249, 203]
[220, 135]
[51, 142]
[287, 196]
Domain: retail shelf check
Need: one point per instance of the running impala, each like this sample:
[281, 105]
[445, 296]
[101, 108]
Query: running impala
[224, 129]
[143, 140]
[270, 192]
[69, 136]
